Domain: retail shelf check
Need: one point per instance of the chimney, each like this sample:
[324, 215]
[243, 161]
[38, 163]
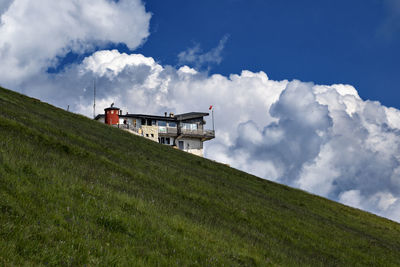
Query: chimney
[165, 113]
[120, 112]
[171, 114]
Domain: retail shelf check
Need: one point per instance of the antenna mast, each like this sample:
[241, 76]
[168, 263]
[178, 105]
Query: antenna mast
[94, 98]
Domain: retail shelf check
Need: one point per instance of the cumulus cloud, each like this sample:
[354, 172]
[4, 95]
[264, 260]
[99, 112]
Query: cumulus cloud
[196, 57]
[34, 33]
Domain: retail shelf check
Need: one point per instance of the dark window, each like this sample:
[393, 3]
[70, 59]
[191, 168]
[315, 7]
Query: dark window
[167, 141]
[162, 140]
[152, 135]
[171, 124]
[162, 123]
[147, 135]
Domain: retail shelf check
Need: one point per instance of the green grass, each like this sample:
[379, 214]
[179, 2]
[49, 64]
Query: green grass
[76, 192]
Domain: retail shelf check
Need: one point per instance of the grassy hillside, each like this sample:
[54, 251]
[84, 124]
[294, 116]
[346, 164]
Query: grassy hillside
[74, 191]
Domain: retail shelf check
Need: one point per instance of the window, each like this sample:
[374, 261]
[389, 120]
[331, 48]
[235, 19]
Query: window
[189, 126]
[162, 126]
[171, 124]
[167, 141]
[112, 111]
[152, 135]
[162, 140]
[147, 135]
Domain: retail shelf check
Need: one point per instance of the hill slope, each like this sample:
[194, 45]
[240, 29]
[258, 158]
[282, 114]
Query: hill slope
[74, 191]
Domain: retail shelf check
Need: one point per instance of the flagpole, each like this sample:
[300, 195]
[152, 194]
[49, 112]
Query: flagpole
[212, 114]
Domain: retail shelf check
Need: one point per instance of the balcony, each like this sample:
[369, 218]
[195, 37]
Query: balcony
[205, 134]
[167, 130]
[129, 128]
[173, 132]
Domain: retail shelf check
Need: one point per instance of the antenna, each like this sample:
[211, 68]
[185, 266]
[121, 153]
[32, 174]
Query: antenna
[94, 98]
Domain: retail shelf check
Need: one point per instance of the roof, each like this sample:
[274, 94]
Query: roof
[191, 115]
[111, 108]
[178, 117]
[152, 117]
[99, 116]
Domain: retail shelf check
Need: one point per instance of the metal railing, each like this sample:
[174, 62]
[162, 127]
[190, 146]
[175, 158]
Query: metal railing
[167, 130]
[130, 128]
[205, 133]
[171, 130]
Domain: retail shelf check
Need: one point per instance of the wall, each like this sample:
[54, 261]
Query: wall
[131, 122]
[171, 140]
[150, 130]
[112, 116]
[195, 145]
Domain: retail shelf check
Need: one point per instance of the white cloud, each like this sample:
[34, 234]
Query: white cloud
[196, 57]
[34, 33]
[351, 198]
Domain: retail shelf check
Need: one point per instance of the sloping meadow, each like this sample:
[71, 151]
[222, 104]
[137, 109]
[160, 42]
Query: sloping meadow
[74, 191]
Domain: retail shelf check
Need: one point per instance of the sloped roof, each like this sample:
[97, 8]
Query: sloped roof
[178, 117]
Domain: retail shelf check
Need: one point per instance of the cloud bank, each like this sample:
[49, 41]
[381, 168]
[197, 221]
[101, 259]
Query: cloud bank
[321, 138]
[35, 33]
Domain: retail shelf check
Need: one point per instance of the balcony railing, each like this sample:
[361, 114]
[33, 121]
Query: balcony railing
[130, 128]
[167, 130]
[202, 133]
[172, 130]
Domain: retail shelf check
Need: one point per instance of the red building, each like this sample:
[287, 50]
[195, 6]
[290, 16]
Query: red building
[111, 115]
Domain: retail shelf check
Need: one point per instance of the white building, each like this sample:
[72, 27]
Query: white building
[183, 131]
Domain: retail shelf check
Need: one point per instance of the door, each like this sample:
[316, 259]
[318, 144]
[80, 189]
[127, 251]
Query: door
[180, 145]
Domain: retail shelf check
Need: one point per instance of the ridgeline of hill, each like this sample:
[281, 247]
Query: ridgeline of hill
[74, 191]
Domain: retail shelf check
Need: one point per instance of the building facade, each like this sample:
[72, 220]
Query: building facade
[183, 131]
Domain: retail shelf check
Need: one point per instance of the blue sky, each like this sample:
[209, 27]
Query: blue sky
[294, 84]
[354, 42]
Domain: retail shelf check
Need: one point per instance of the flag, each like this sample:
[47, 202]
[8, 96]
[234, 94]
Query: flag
[210, 108]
